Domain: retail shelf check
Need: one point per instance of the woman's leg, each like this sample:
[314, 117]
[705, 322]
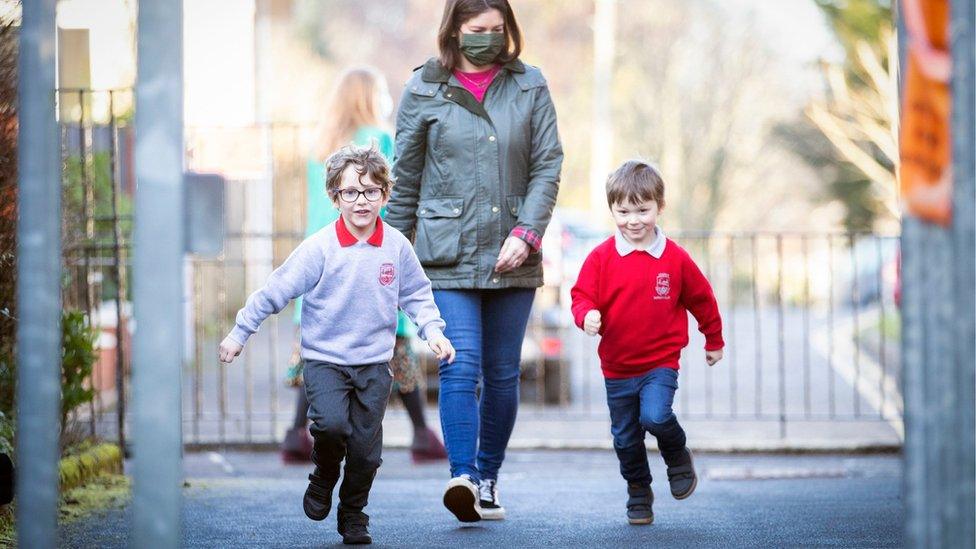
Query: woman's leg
[504, 315]
[461, 310]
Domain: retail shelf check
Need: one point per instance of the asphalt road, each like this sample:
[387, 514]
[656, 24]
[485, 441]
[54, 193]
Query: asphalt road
[564, 498]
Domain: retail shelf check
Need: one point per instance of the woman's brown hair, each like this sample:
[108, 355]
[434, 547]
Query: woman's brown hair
[456, 12]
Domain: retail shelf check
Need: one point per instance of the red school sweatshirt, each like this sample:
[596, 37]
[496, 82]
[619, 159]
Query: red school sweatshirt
[643, 302]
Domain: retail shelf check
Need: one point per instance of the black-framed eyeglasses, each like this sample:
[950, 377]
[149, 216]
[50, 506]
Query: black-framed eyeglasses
[351, 195]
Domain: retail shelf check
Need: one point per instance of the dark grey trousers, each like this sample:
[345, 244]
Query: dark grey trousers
[346, 405]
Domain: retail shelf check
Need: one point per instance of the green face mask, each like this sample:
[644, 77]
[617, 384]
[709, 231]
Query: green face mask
[482, 49]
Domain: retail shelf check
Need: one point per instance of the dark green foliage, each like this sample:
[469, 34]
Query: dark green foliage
[77, 359]
[8, 212]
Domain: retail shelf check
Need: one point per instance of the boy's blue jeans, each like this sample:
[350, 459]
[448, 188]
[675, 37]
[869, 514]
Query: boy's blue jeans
[486, 328]
[643, 404]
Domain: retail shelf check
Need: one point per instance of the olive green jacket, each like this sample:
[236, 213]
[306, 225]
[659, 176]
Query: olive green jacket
[467, 173]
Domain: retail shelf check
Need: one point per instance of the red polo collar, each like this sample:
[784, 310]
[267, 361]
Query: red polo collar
[346, 238]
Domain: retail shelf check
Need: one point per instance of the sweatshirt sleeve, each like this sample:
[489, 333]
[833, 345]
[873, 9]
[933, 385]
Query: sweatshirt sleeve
[298, 274]
[697, 297]
[586, 292]
[416, 297]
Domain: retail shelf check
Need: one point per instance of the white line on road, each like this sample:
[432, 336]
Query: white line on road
[220, 460]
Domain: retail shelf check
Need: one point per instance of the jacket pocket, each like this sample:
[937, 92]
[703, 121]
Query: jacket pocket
[438, 237]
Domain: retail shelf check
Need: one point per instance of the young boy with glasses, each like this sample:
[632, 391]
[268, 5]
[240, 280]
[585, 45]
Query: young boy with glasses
[354, 274]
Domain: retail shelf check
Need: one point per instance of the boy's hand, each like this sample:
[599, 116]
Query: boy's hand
[442, 348]
[592, 322]
[228, 350]
[711, 357]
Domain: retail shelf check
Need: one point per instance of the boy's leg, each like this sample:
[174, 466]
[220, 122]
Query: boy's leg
[623, 400]
[367, 406]
[657, 416]
[327, 387]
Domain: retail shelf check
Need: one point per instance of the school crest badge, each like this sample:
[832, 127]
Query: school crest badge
[663, 285]
[387, 274]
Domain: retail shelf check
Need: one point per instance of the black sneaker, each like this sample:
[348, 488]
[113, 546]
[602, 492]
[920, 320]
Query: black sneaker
[354, 528]
[640, 504]
[681, 475]
[318, 497]
[491, 508]
[461, 498]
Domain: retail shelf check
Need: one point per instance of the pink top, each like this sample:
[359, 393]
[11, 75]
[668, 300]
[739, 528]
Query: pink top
[477, 82]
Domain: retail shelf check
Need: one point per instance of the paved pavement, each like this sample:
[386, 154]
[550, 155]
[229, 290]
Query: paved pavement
[554, 498]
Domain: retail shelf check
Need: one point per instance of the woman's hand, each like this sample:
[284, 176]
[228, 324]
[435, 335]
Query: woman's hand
[442, 348]
[513, 254]
[228, 350]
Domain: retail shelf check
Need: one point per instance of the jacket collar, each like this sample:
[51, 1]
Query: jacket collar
[347, 239]
[434, 71]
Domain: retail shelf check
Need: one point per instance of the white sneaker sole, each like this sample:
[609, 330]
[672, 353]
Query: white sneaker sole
[497, 513]
[648, 520]
[461, 498]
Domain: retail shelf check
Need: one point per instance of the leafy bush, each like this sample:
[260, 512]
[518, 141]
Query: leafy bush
[77, 359]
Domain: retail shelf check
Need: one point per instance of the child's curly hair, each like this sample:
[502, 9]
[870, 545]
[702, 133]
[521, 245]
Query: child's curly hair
[365, 160]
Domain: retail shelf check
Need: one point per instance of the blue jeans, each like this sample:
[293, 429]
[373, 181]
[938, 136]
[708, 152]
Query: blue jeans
[643, 404]
[486, 328]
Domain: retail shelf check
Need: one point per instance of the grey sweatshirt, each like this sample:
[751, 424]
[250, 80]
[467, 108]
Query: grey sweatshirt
[351, 294]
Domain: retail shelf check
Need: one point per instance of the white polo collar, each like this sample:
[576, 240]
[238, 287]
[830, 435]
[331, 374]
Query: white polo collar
[655, 248]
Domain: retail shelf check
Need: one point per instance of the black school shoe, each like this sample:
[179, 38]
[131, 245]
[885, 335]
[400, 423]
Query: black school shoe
[640, 504]
[354, 528]
[681, 475]
[318, 496]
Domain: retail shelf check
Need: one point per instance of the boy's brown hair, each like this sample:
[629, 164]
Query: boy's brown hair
[365, 160]
[635, 181]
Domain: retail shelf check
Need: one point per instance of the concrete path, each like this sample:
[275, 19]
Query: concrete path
[554, 498]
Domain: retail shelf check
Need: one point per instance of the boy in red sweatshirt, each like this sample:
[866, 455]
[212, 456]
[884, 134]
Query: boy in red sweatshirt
[634, 290]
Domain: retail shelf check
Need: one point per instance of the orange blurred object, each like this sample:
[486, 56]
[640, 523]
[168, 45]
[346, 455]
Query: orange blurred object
[926, 150]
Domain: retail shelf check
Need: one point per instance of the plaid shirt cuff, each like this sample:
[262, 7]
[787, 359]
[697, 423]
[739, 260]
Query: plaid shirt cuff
[530, 237]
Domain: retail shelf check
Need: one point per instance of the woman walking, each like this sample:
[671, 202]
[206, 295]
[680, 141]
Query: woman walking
[477, 170]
